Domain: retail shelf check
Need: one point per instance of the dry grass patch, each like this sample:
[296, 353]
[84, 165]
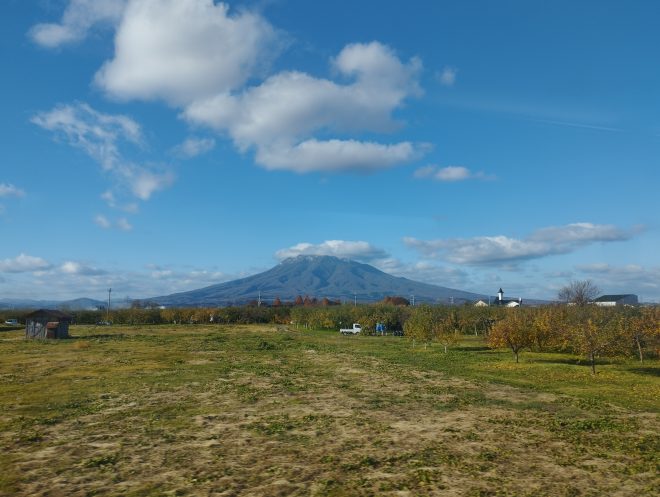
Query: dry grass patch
[252, 411]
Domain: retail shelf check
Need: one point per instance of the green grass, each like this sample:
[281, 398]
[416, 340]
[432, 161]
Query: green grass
[203, 410]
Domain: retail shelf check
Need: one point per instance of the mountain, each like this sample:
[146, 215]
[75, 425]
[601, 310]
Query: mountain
[81, 304]
[316, 276]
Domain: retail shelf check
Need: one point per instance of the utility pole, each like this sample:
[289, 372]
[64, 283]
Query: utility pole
[355, 300]
[107, 313]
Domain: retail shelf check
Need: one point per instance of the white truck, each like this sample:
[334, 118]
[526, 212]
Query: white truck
[351, 331]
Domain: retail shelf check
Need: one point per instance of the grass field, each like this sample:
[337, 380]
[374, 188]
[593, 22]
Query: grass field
[257, 411]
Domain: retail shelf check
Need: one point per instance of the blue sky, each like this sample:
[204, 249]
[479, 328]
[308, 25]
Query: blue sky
[155, 146]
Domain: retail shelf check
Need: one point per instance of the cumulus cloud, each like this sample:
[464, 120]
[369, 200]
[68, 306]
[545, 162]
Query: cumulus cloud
[447, 77]
[78, 18]
[192, 147]
[100, 135]
[502, 249]
[280, 117]
[449, 173]
[9, 190]
[356, 250]
[23, 263]
[182, 50]
[199, 56]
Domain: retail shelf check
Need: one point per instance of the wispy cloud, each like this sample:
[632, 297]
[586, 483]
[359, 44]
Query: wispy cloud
[78, 18]
[450, 173]
[78, 268]
[9, 190]
[485, 250]
[23, 263]
[541, 112]
[192, 147]
[447, 77]
[100, 136]
[121, 223]
[579, 125]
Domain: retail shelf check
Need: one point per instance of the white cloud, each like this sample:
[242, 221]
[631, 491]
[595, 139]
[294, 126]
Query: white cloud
[502, 249]
[78, 18]
[453, 173]
[144, 183]
[23, 263]
[280, 117]
[95, 133]
[99, 135]
[182, 50]
[449, 173]
[447, 77]
[192, 147]
[9, 190]
[102, 221]
[123, 224]
[336, 155]
[425, 272]
[77, 268]
[357, 250]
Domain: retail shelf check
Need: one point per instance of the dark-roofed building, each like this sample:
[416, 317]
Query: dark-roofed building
[47, 323]
[612, 300]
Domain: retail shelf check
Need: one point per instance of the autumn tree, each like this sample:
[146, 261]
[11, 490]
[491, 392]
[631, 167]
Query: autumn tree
[445, 331]
[512, 332]
[396, 300]
[593, 332]
[420, 325]
[641, 326]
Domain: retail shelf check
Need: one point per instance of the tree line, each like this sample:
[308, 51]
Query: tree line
[586, 330]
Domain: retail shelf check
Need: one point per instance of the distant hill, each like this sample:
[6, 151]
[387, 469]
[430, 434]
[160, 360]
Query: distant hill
[317, 276]
[80, 304]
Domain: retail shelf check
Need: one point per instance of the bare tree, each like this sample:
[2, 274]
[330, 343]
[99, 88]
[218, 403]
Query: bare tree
[578, 292]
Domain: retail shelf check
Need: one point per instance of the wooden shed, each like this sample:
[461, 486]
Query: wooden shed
[46, 323]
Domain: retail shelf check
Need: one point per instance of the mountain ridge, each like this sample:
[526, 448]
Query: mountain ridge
[317, 276]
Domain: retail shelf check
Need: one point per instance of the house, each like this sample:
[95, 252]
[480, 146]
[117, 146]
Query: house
[613, 300]
[500, 301]
[480, 303]
[46, 323]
